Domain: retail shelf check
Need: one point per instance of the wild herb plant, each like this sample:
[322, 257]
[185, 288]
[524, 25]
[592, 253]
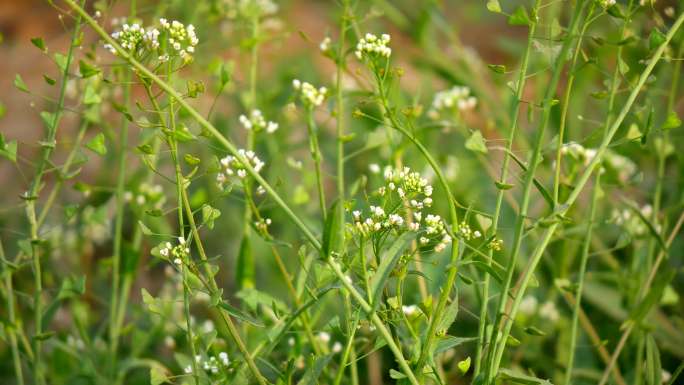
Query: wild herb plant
[375, 208]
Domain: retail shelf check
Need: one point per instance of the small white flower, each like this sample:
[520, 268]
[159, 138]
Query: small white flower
[324, 337]
[370, 46]
[337, 347]
[409, 310]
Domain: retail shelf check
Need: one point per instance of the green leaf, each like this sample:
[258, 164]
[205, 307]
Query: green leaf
[245, 264]
[476, 142]
[533, 331]
[145, 230]
[39, 43]
[652, 298]
[448, 317]
[672, 121]
[519, 17]
[182, 134]
[655, 39]
[518, 378]
[49, 80]
[209, 215]
[387, 263]
[654, 370]
[484, 268]
[19, 83]
[314, 370]
[239, 314]
[331, 234]
[447, 342]
[61, 61]
[464, 366]
[191, 159]
[494, 6]
[396, 375]
[86, 69]
[497, 68]
[97, 144]
[91, 96]
[8, 149]
[157, 375]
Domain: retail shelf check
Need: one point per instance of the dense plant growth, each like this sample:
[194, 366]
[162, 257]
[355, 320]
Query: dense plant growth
[220, 196]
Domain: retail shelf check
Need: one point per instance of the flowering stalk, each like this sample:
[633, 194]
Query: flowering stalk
[453, 216]
[522, 77]
[32, 197]
[579, 186]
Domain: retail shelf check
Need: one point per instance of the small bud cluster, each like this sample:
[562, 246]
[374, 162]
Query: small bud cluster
[181, 38]
[371, 46]
[211, 364]
[249, 8]
[578, 152]
[310, 95]
[257, 122]
[151, 195]
[456, 97]
[232, 166]
[624, 167]
[177, 252]
[606, 3]
[434, 227]
[467, 233]
[496, 244]
[262, 224]
[135, 38]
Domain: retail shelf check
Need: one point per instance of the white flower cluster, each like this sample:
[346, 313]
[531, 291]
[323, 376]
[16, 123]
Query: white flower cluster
[434, 227]
[623, 166]
[414, 193]
[310, 95]
[324, 338]
[529, 306]
[257, 122]
[135, 37]
[633, 223]
[262, 224]
[177, 252]
[325, 44]
[467, 233]
[231, 165]
[456, 97]
[249, 8]
[409, 310]
[371, 46]
[578, 152]
[211, 364]
[606, 3]
[181, 38]
[147, 194]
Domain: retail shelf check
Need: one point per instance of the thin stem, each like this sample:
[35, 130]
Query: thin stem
[32, 197]
[522, 77]
[16, 359]
[317, 157]
[580, 279]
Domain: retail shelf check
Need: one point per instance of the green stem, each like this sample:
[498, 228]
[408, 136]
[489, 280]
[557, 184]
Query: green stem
[32, 197]
[579, 186]
[565, 107]
[522, 77]
[316, 155]
[16, 359]
[580, 279]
